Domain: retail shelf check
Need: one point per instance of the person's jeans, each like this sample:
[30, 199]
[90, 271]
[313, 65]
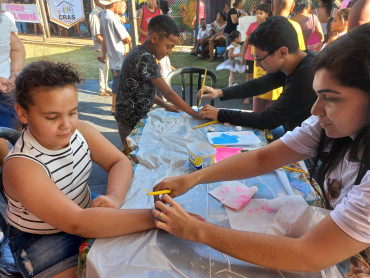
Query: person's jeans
[43, 255]
[8, 116]
[20, 26]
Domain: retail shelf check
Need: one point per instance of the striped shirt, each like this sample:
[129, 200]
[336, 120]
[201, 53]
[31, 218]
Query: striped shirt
[68, 168]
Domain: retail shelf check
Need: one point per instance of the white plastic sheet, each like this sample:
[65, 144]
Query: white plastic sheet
[162, 152]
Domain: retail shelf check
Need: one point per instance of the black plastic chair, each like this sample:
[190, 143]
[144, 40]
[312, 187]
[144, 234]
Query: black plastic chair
[192, 74]
[7, 265]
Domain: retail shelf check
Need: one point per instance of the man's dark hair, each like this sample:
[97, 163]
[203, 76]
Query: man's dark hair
[264, 7]
[43, 74]
[274, 33]
[164, 26]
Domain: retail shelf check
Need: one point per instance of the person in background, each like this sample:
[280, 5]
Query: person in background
[310, 25]
[97, 37]
[144, 15]
[325, 13]
[234, 63]
[204, 34]
[359, 14]
[12, 57]
[338, 132]
[339, 25]
[233, 21]
[262, 12]
[115, 37]
[163, 5]
[218, 37]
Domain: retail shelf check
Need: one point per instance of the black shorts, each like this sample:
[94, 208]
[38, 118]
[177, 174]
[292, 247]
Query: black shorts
[249, 66]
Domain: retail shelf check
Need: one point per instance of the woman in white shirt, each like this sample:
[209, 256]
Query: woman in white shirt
[340, 125]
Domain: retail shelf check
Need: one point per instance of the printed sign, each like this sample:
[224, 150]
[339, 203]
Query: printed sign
[66, 12]
[22, 12]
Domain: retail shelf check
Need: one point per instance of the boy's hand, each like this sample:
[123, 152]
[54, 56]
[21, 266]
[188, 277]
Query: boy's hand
[172, 108]
[209, 112]
[209, 92]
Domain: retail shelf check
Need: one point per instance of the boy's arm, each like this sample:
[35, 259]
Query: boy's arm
[171, 96]
[165, 105]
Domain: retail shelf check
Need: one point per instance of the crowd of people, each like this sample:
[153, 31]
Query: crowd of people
[323, 108]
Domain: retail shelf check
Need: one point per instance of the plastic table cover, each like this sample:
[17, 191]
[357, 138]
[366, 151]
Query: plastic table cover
[162, 152]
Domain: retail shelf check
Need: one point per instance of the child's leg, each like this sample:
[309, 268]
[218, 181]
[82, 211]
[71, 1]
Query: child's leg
[116, 74]
[124, 130]
[44, 255]
[231, 78]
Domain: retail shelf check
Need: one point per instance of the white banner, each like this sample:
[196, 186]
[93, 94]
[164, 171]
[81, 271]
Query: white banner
[66, 13]
[22, 12]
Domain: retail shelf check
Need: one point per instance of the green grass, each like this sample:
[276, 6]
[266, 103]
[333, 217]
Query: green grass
[85, 62]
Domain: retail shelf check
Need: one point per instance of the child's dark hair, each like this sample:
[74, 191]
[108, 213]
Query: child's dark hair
[223, 15]
[43, 74]
[300, 5]
[274, 33]
[348, 61]
[236, 3]
[234, 34]
[343, 15]
[163, 25]
[264, 7]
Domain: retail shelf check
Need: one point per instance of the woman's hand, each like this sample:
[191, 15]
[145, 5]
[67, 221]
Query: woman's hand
[209, 112]
[178, 185]
[175, 220]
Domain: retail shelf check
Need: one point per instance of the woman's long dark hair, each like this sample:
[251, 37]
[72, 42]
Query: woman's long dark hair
[348, 61]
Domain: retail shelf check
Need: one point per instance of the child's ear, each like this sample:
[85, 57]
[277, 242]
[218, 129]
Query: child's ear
[154, 38]
[22, 113]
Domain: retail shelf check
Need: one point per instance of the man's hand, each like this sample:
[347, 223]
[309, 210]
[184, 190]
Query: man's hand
[6, 86]
[209, 112]
[209, 92]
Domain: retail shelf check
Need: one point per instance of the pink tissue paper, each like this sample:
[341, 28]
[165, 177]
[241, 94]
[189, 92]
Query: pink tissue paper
[234, 194]
[225, 152]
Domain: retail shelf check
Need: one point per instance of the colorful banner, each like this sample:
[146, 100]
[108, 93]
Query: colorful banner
[66, 13]
[22, 12]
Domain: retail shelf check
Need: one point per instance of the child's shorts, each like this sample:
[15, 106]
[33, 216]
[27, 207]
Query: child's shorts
[249, 66]
[43, 255]
[115, 74]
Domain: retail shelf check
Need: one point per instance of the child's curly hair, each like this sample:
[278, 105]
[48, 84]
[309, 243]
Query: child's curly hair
[43, 74]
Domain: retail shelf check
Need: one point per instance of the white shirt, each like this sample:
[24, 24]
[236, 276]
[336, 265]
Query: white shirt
[95, 26]
[113, 33]
[352, 205]
[204, 33]
[7, 26]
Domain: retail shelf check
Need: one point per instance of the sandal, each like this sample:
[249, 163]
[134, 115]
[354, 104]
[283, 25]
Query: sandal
[104, 94]
[101, 59]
